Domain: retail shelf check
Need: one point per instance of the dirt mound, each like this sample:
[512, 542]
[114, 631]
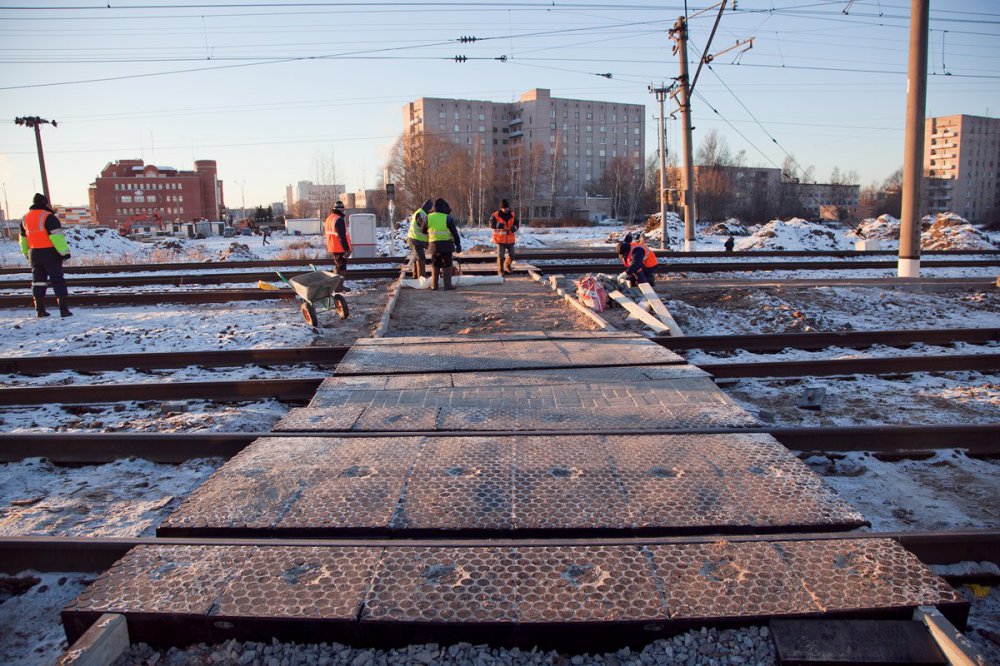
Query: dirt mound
[794, 234]
[237, 252]
[653, 230]
[731, 227]
[951, 232]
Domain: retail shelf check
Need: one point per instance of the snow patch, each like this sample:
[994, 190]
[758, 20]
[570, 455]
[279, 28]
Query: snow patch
[793, 234]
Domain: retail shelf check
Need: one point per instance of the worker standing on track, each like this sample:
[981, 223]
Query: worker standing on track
[640, 262]
[338, 241]
[504, 223]
[43, 243]
[443, 241]
[417, 239]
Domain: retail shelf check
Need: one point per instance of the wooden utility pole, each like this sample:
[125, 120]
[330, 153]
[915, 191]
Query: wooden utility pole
[661, 94]
[913, 152]
[36, 123]
[683, 95]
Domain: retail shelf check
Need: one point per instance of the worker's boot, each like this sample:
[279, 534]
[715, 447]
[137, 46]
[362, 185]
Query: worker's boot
[507, 265]
[447, 279]
[64, 307]
[499, 266]
[40, 308]
[419, 267]
[435, 271]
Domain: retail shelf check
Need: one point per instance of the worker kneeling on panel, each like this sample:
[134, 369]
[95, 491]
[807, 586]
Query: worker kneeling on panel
[442, 241]
[640, 262]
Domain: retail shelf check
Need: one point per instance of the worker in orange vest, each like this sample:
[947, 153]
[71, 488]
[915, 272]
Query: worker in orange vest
[504, 223]
[43, 243]
[640, 262]
[338, 241]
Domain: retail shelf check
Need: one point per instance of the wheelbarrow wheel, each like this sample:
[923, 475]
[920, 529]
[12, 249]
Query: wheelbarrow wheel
[309, 314]
[340, 305]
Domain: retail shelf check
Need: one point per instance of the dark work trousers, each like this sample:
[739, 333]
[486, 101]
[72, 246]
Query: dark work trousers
[642, 275]
[441, 259]
[505, 249]
[340, 263]
[46, 269]
[419, 254]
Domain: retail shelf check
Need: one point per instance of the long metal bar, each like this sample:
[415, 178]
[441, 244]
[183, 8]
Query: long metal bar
[849, 339]
[94, 554]
[94, 448]
[851, 366]
[160, 297]
[224, 391]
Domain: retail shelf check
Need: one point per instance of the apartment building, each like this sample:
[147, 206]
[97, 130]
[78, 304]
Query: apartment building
[573, 141]
[132, 191]
[962, 166]
[314, 197]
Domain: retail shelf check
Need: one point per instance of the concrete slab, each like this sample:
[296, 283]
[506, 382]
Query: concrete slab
[445, 355]
[506, 594]
[490, 485]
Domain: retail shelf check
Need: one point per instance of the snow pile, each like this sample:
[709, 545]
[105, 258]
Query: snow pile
[237, 252]
[731, 227]
[795, 234]
[883, 227]
[951, 232]
[101, 242]
[675, 227]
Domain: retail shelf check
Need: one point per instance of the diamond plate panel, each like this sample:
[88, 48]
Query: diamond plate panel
[319, 420]
[184, 580]
[723, 480]
[586, 584]
[566, 483]
[459, 484]
[443, 585]
[615, 351]
[309, 583]
[728, 580]
[608, 375]
[356, 485]
[864, 573]
[397, 417]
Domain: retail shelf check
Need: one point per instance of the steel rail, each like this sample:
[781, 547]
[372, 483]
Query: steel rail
[303, 389]
[527, 255]
[889, 441]
[375, 273]
[159, 297]
[209, 358]
[96, 554]
[855, 366]
[822, 340]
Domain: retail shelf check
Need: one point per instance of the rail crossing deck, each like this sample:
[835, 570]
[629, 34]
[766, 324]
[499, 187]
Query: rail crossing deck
[455, 468]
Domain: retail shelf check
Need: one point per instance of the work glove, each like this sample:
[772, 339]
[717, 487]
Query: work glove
[622, 276]
[66, 257]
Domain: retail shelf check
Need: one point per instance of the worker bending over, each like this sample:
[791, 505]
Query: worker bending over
[504, 224]
[640, 262]
[42, 242]
[417, 239]
[442, 240]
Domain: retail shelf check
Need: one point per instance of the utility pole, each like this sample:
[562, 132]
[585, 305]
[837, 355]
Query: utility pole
[6, 206]
[683, 95]
[36, 123]
[661, 94]
[913, 152]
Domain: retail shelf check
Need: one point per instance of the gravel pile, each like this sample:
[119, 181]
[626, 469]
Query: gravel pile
[704, 647]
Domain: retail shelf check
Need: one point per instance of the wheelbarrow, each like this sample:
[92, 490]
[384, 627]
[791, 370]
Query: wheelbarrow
[318, 289]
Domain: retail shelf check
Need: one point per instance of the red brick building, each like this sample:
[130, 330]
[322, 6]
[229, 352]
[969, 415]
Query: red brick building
[134, 192]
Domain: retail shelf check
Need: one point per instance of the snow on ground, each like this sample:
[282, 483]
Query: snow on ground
[190, 374]
[794, 234]
[126, 498]
[698, 356]
[146, 416]
[783, 310]
[33, 634]
[947, 231]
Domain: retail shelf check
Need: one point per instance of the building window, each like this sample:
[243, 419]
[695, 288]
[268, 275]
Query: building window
[590, 116]
[635, 130]
[126, 198]
[458, 128]
[635, 142]
[151, 199]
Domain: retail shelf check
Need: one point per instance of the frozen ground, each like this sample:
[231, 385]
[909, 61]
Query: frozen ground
[189, 374]
[33, 635]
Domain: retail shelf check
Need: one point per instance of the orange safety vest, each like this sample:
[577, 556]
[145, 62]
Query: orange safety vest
[34, 225]
[648, 259]
[333, 244]
[504, 236]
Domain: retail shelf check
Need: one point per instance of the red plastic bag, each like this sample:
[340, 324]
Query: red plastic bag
[591, 293]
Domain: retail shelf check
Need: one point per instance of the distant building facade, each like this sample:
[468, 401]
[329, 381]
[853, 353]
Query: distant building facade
[131, 191]
[574, 140]
[74, 214]
[962, 166]
[315, 199]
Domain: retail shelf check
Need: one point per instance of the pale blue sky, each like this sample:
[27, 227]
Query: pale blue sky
[829, 87]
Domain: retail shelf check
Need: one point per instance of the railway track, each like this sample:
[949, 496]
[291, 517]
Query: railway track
[527, 255]
[303, 389]
[886, 441]
[87, 554]
[320, 355]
